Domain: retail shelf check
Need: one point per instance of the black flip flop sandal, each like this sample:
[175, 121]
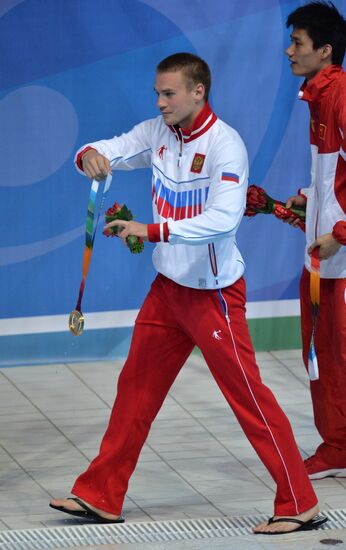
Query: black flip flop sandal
[86, 513]
[309, 525]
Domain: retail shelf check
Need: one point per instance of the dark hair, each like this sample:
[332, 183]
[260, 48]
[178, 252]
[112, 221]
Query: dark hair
[195, 69]
[323, 24]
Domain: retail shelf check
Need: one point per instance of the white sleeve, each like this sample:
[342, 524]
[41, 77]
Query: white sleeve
[226, 200]
[128, 151]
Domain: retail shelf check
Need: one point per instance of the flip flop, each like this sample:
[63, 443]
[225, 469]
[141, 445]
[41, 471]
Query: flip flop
[86, 513]
[313, 523]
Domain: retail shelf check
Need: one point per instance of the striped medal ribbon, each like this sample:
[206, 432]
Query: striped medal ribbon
[76, 319]
[315, 303]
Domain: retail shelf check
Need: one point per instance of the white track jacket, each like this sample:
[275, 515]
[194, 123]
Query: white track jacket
[198, 188]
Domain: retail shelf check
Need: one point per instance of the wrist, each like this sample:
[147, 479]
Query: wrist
[303, 198]
[79, 159]
[158, 232]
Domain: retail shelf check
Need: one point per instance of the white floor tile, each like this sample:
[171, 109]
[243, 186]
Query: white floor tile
[196, 463]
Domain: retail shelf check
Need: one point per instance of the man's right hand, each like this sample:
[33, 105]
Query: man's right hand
[95, 165]
[295, 200]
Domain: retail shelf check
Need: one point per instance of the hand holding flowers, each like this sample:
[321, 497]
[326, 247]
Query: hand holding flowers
[119, 220]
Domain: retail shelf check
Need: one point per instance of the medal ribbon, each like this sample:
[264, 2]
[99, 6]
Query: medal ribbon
[315, 303]
[90, 231]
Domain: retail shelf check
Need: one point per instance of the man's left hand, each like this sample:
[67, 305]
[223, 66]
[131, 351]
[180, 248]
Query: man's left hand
[328, 246]
[127, 228]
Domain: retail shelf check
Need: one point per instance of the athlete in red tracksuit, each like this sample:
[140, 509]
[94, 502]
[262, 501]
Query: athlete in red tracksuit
[317, 50]
[198, 298]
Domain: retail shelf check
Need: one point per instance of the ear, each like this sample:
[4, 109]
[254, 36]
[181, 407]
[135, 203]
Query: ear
[326, 51]
[199, 92]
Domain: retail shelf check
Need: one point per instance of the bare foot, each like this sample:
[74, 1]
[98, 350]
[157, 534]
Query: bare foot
[72, 506]
[285, 526]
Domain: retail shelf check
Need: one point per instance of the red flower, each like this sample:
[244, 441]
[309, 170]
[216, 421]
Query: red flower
[258, 202]
[113, 209]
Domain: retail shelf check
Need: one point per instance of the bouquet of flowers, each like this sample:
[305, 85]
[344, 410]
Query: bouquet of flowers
[117, 212]
[258, 202]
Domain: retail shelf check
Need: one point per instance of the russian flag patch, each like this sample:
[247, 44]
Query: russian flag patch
[228, 176]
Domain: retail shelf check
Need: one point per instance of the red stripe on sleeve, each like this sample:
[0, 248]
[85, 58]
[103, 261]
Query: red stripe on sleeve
[339, 232]
[165, 232]
[154, 232]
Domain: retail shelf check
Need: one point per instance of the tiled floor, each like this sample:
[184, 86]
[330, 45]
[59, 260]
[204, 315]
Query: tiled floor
[196, 463]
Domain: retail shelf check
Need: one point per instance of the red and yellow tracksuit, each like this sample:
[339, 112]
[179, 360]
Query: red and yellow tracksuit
[326, 213]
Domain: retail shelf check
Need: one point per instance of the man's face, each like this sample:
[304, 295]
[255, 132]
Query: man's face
[178, 102]
[304, 60]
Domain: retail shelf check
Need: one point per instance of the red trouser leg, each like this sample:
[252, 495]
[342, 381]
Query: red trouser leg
[158, 351]
[328, 393]
[171, 319]
[229, 354]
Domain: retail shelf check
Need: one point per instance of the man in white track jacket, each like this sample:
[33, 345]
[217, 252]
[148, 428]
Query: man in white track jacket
[199, 183]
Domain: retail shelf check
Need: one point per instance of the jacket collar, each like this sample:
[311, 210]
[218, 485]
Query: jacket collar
[314, 88]
[203, 121]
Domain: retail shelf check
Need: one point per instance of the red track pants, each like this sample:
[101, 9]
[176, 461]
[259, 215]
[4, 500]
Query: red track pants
[329, 392]
[172, 320]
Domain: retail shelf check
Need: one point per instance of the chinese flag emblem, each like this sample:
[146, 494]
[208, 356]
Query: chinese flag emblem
[197, 163]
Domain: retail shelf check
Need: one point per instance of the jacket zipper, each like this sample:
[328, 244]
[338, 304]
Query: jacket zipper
[180, 148]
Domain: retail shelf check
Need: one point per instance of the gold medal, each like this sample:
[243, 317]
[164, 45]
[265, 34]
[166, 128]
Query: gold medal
[76, 322]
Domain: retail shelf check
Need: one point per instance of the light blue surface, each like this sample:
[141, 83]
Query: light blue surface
[43, 349]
